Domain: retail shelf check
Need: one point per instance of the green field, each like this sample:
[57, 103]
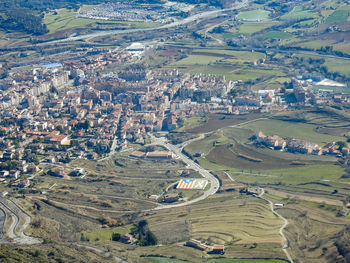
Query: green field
[104, 234]
[313, 44]
[278, 34]
[234, 65]
[298, 13]
[338, 16]
[64, 19]
[301, 131]
[254, 15]
[338, 65]
[244, 56]
[252, 27]
[67, 18]
[197, 60]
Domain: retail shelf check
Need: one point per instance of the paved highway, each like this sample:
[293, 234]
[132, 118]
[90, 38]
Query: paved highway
[214, 182]
[19, 223]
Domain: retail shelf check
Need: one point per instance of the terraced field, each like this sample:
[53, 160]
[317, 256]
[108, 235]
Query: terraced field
[301, 131]
[242, 221]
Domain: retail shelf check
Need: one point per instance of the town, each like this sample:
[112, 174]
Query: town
[68, 110]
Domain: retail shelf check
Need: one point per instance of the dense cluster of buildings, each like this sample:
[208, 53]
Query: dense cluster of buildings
[305, 94]
[91, 105]
[300, 146]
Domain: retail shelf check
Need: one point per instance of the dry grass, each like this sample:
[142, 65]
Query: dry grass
[224, 219]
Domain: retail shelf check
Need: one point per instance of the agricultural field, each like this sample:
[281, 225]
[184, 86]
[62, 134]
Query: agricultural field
[278, 35]
[254, 15]
[312, 232]
[64, 19]
[313, 44]
[253, 27]
[298, 13]
[301, 131]
[230, 149]
[235, 213]
[338, 65]
[197, 60]
[338, 16]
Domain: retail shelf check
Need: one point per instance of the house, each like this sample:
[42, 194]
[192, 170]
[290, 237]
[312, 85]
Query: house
[8, 155]
[23, 183]
[32, 168]
[127, 239]
[14, 174]
[60, 140]
[4, 173]
[169, 198]
[218, 249]
[317, 151]
[50, 159]
[77, 172]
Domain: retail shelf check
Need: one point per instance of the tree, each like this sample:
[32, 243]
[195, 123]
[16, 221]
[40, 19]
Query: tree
[36, 160]
[115, 236]
[142, 226]
[341, 144]
[150, 239]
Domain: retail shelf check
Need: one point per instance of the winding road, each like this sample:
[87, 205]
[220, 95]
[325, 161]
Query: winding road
[20, 221]
[214, 182]
[285, 240]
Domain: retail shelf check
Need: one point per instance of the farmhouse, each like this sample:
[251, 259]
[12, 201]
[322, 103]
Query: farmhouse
[169, 198]
[127, 239]
[218, 249]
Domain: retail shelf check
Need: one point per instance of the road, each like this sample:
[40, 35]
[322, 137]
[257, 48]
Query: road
[207, 33]
[214, 182]
[20, 221]
[185, 21]
[285, 240]
[112, 150]
[177, 149]
[2, 222]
